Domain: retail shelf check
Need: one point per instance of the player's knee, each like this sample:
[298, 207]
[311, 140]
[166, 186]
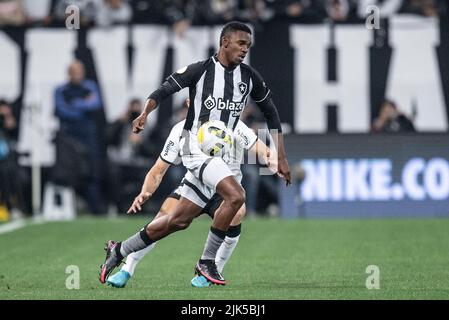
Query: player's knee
[179, 223]
[237, 198]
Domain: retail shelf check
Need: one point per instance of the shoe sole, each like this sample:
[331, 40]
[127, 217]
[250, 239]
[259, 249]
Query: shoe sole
[112, 284]
[200, 286]
[214, 281]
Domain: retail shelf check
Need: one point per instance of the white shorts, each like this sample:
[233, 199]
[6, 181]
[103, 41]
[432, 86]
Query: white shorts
[203, 173]
[208, 170]
[197, 192]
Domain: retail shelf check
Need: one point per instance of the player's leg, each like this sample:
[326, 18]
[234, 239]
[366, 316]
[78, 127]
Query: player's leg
[134, 258]
[121, 278]
[215, 175]
[184, 212]
[227, 247]
[230, 242]
[233, 198]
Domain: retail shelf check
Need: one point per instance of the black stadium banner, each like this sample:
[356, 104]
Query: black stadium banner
[324, 77]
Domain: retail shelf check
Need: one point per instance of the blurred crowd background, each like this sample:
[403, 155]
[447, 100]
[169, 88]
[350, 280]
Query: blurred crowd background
[104, 162]
[183, 13]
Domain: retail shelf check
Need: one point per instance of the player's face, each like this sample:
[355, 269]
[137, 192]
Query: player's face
[237, 46]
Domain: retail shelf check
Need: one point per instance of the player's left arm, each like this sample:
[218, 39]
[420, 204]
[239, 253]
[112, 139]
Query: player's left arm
[265, 154]
[262, 97]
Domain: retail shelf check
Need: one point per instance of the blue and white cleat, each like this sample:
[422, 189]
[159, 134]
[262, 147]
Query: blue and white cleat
[200, 282]
[119, 280]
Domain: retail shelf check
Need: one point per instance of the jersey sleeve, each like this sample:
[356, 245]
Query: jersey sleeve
[260, 90]
[187, 76]
[170, 152]
[244, 136]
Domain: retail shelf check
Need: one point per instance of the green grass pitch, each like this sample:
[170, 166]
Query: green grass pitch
[275, 259]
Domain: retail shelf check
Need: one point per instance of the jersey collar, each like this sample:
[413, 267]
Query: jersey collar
[215, 60]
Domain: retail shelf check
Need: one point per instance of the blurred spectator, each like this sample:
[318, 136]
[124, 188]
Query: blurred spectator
[129, 157]
[148, 11]
[387, 8]
[427, 8]
[225, 9]
[254, 10]
[112, 12]
[294, 8]
[12, 179]
[37, 11]
[181, 14]
[8, 124]
[124, 146]
[288, 8]
[77, 105]
[391, 120]
[337, 10]
[12, 13]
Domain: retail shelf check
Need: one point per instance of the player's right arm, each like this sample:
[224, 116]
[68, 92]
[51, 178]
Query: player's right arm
[182, 78]
[152, 181]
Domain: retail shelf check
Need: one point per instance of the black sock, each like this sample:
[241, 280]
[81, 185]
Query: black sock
[234, 231]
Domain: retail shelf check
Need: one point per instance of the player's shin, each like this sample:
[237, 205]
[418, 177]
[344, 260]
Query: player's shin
[134, 258]
[227, 247]
[135, 243]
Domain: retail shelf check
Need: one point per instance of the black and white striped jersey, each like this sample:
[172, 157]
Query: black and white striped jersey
[217, 92]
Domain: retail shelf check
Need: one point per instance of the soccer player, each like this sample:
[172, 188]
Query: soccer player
[219, 89]
[245, 138]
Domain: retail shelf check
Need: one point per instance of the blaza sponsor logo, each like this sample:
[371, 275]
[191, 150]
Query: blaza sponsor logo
[223, 104]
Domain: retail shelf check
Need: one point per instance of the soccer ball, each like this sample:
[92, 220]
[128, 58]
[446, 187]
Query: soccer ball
[215, 139]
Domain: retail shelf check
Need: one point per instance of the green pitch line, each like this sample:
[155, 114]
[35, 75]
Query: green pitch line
[275, 259]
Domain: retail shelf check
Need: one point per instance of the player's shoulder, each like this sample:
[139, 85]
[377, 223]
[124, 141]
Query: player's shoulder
[247, 68]
[197, 66]
[192, 71]
[251, 70]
